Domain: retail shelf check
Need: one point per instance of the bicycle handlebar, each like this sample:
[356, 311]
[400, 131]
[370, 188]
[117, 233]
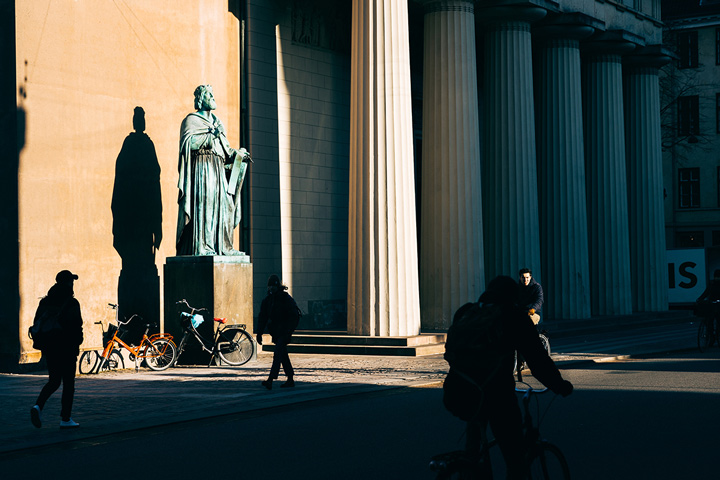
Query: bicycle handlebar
[185, 302]
[128, 320]
[529, 390]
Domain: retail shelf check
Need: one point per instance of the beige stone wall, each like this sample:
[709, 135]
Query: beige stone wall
[84, 67]
[313, 125]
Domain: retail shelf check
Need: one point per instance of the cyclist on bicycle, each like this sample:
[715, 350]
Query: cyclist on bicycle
[712, 292]
[705, 306]
[530, 295]
[483, 392]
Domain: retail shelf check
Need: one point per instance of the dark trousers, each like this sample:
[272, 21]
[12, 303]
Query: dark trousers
[503, 414]
[61, 367]
[281, 357]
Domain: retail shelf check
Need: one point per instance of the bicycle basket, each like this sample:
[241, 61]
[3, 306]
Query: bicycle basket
[194, 320]
[107, 336]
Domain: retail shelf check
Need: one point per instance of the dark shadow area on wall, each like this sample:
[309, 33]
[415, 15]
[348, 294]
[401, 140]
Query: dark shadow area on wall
[321, 26]
[12, 136]
[137, 225]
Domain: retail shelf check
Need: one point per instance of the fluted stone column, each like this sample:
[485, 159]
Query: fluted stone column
[606, 180]
[648, 264]
[509, 169]
[561, 163]
[451, 261]
[383, 292]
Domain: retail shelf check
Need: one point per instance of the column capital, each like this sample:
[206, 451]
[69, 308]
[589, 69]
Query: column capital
[612, 42]
[433, 6]
[490, 12]
[567, 26]
[650, 57]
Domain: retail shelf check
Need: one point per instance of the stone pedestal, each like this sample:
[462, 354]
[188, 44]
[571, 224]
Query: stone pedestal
[222, 284]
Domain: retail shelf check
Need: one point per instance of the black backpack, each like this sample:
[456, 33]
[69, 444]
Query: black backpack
[475, 339]
[46, 326]
[474, 349]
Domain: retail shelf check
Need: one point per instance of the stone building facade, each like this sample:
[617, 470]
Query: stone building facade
[691, 131]
[405, 152]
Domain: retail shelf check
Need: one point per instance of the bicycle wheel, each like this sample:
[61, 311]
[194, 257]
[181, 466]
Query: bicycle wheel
[705, 336]
[235, 346]
[547, 462]
[160, 354]
[114, 362]
[88, 361]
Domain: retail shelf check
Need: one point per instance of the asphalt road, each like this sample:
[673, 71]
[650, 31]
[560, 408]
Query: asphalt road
[635, 419]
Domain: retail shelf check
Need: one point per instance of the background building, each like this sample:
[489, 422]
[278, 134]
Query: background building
[405, 152]
[691, 134]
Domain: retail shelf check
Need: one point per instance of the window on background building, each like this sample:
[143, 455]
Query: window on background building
[689, 239]
[717, 46]
[716, 238]
[689, 115]
[689, 187]
[687, 49]
[717, 112]
[717, 184]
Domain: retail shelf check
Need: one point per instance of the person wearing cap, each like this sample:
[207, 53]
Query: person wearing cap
[279, 314]
[61, 355]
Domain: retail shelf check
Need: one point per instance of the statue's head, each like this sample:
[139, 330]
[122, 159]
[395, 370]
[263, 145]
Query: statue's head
[204, 99]
[139, 120]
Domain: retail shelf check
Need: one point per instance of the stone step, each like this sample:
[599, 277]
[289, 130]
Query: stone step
[344, 339]
[338, 343]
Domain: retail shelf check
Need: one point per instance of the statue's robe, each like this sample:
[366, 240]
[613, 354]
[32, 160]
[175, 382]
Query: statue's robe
[207, 211]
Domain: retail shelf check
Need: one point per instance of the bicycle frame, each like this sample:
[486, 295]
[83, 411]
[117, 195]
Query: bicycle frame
[140, 350]
[477, 462]
[189, 329]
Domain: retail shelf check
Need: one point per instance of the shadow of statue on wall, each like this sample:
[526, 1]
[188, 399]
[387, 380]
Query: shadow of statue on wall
[137, 224]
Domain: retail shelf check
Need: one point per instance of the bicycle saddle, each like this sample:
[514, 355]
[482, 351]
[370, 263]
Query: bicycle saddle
[220, 320]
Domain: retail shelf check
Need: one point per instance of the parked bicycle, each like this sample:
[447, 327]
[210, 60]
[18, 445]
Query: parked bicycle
[232, 344]
[157, 350]
[709, 328]
[543, 460]
[90, 359]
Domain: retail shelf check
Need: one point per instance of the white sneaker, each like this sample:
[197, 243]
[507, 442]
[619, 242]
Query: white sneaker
[69, 424]
[35, 416]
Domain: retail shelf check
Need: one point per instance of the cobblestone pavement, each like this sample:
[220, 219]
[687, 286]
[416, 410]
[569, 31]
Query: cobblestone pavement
[127, 400]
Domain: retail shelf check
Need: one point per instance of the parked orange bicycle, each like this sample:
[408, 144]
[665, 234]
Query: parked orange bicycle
[158, 350]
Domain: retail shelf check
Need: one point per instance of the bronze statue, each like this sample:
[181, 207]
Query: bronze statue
[211, 176]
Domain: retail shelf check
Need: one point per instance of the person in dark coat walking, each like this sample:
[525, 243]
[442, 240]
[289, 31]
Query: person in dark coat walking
[279, 314]
[530, 295]
[62, 352]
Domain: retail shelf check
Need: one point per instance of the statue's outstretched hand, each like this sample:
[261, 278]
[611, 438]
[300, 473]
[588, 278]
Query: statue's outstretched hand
[245, 155]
